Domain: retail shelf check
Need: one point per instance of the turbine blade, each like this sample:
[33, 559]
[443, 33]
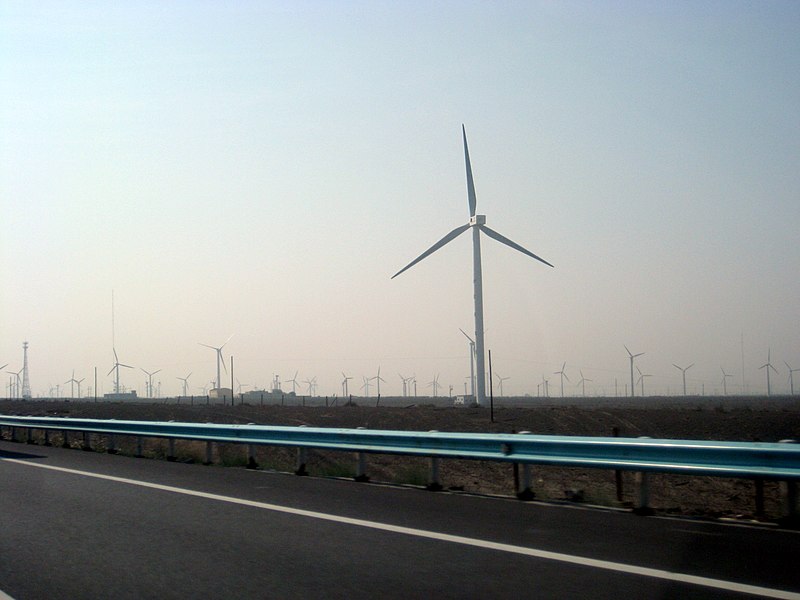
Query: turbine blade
[629, 352]
[226, 341]
[127, 366]
[207, 346]
[504, 240]
[159, 371]
[222, 358]
[465, 335]
[111, 371]
[116, 360]
[448, 238]
[690, 366]
[470, 183]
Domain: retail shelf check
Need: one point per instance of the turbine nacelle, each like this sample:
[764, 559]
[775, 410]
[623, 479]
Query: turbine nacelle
[477, 220]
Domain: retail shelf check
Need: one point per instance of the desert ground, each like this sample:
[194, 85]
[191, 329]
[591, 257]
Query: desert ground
[701, 418]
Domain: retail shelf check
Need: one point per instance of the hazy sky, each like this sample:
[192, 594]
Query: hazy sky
[261, 169]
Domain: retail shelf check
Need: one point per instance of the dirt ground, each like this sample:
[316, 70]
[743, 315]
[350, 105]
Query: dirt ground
[751, 419]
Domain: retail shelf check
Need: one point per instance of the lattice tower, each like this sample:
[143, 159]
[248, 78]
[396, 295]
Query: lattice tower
[26, 385]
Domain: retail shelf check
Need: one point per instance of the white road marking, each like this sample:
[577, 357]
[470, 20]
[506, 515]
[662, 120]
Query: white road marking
[719, 584]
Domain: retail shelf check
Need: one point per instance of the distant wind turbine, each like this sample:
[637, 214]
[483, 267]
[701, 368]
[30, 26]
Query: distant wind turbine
[563, 374]
[768, 366]
[683, 371]
[791, 377]
[471, 361]
[116, 367]
[724, 381]
[405, 384]
[478, 224]
[365, 385]
[72, 383]
[500, 380]
[582, 382]
[378, 380]
[220, 359]
[185, 381]
[344, 384]
[632, 356]
[150, 381]
[293, 381]
[641, 379]
[435, 385]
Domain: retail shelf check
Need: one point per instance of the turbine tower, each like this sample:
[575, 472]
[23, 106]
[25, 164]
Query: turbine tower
[683, 370]
[478, 224]
[582, 382]
[26, 384]
[768, 366]
[220, 359]
[632, 356]
[344, 384]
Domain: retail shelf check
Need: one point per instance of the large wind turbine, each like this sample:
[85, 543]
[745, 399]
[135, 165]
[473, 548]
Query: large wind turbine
[683, 370]
[345, 391]
[632, 356]
[220, 359]
[478, 224]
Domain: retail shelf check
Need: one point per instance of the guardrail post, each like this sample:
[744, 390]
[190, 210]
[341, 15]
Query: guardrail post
[139, 449]
[29, 440]
[209, 452]
[251, 457]
[434, 485]
[759, 485]
[87, 445]
[65, 442]
[791, 510]
[171, 452]
[643, 491]
[14, 434]
[523, 491]
[301, 462]
[112, 448]
[47, 437]
[361, 465]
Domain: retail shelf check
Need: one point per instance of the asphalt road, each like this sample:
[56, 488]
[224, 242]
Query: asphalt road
[87, 525]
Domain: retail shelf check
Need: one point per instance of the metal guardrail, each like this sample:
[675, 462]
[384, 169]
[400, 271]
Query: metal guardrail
[754, 460]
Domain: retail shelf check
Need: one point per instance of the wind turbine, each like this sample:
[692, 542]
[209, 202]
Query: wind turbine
[724, 381]
[632, 356]
[791, 377]
[150, 381]
[16, 387]
[365, 385]
[185, 381]
[435, 384]
[478, 224]
[116, 367]
[641, 379]
[563, 376]
[72, 383]
[471, 361]
[683, 370]
[768, 366]
[220, 359]
[582, 382]
[500, 381]
[78, 383]
[378, 380]
[312, 383]
[344, 384]
[405, 384]
[293, 381]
